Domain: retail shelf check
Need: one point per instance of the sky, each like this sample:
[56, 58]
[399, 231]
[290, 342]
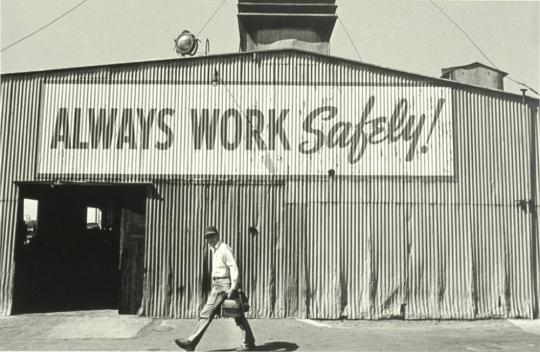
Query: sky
[411, 36]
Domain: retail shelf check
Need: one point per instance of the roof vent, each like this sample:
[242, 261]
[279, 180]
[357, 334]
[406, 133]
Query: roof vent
[278, 24]
[477, 74]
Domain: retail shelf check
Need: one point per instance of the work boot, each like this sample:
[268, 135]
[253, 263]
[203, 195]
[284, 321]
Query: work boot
[185, 344]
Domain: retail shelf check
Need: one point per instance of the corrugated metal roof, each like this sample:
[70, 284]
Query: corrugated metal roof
[332, 59]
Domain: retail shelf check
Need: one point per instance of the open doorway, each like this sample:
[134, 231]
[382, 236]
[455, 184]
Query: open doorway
[79, 247]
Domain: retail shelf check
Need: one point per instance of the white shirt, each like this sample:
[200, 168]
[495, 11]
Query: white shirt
[223, 263]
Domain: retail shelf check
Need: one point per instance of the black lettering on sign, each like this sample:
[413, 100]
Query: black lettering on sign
[436, 116]
[338, 134]
[146, 126]
[254, 128]
[305, 147]
[237, 129]
[400, 126]
[101, 127]
[162, 124]
[342, 134]
[359, 139]
[379, 130]
[204, 127]
[126, 133]
[77, 142]
[412, 132]
[275, 129]
[397, 120]
[61, 130]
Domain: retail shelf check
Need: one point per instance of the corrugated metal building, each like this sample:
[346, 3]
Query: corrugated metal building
[345, 189]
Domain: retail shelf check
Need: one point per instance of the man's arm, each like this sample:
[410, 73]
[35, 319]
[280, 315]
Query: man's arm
[233, 270]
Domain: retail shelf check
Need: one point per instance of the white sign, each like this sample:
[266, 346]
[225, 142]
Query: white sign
[200, 129]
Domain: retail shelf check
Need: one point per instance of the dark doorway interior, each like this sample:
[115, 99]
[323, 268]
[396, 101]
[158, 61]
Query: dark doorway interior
[83, 251]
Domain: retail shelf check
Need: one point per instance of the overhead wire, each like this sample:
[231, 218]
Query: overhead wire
[44, 26]
[350, 39]
[254, 130]
[523, 84]
[211, 17]
[464, 33]
[476, 45]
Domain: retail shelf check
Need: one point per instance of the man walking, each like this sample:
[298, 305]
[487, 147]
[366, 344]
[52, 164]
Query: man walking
[224, 285]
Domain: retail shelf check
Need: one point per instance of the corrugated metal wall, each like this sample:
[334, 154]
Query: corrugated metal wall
[176, 284]
[18, 133]
[325, 247]
[535, 238]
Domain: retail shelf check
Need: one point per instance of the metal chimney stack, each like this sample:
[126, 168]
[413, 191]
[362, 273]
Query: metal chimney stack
[278, 24]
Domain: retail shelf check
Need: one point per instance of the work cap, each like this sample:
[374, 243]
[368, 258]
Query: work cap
[210, 231]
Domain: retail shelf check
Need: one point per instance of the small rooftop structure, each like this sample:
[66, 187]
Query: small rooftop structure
[279, 24]
[476, 74]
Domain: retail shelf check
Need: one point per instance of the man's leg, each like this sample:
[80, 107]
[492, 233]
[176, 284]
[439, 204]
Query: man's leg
[213, 303]
[249, 339]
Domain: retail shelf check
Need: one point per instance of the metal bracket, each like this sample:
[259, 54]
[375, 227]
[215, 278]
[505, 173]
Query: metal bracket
[525, 205]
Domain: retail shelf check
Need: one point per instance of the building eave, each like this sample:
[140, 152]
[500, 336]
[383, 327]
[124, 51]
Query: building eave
[112, 66]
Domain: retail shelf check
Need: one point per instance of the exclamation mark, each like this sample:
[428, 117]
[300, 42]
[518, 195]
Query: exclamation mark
[436, 116]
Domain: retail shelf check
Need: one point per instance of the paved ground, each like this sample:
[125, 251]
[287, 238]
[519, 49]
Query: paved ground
[106, 330]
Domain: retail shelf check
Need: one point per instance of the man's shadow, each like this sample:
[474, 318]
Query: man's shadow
[273, 346]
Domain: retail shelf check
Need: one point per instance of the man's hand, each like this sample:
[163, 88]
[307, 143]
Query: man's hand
[230, 292]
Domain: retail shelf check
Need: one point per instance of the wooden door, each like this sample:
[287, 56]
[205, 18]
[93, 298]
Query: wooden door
[132, 228]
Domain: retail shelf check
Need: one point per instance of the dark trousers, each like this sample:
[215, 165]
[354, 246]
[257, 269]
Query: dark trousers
[212, 306]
